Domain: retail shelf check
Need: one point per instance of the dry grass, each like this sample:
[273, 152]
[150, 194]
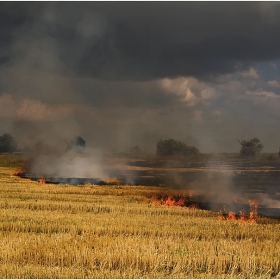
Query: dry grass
[62, 231]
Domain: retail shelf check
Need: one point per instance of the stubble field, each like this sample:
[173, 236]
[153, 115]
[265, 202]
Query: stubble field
[91, 231]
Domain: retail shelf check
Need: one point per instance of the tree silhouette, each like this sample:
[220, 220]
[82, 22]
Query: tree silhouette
[77, 145]
[250, 147]
[7, 144]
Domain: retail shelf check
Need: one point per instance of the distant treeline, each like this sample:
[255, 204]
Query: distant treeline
[168, 147]
[9, 145]
[174, 147]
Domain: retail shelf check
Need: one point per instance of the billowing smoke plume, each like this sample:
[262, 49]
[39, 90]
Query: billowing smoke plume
[51, 151]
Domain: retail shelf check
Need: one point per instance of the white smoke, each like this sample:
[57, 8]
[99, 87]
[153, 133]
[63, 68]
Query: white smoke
[68, 165]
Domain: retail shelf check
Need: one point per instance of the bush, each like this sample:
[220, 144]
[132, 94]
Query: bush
[7, 144]
[250, 147]
[175, 147]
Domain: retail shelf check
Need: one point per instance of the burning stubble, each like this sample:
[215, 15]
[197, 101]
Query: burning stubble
[216, 183]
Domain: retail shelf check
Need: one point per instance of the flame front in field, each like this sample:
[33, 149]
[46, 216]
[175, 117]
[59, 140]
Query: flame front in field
[254, 209]
[251, 218]
[174, 200]
[42, 180]
[231, 216]
[18, 172]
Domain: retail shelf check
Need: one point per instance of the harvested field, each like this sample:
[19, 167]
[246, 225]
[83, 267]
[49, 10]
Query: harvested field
[117, 231]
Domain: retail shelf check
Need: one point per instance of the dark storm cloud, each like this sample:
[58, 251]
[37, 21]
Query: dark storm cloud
[122, 74]
[148, 40]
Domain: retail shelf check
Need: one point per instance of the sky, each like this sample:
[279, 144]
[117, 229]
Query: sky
[121, 74]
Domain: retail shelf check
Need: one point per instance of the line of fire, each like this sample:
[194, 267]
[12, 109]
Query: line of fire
[237, 190]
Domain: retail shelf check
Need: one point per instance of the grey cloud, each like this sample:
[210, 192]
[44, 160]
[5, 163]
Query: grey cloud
[97, 68]
[150, 40]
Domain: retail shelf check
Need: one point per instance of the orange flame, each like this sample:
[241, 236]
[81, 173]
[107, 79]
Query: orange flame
[252, 218]
[169, 200]
[18, 172]
[231, 216]
[242, 216]
[254, 209]
[42, 180]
